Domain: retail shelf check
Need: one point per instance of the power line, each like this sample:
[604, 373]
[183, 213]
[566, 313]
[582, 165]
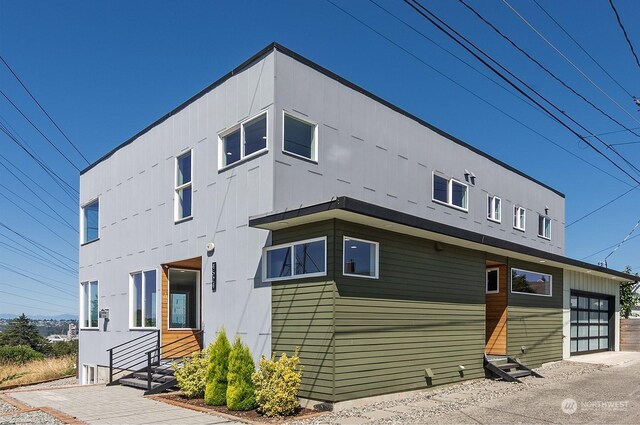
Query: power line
[47, 263]
[42, 282]
[36, 244]
[48, 302]
[624, 31]
[612, 132]
[55, 310]
[601, 207]
[583, 49]
[607, 248]
[621, 242]
[43, 110]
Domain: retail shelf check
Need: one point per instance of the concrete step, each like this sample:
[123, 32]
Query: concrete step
[138, 383]
[155, 377]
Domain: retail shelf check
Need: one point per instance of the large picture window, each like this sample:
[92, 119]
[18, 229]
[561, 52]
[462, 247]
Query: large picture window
[143, 299]
[90, 221]
[300, 137]
[360, 258]
[184, 187]
[244, 140]
[89, 305]
[531, 283]
[450, 192]
[184, 299]
[306, 258]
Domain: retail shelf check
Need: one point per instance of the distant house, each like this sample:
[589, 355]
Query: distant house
[297, 209]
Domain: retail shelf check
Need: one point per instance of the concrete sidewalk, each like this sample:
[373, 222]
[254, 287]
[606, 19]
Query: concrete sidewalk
[98, 404]
[609, 358]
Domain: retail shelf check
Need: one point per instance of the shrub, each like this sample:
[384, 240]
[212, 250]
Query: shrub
[18, 354]
[192, 375]
[277, 384]
[240, 391]
[215, 393]
[64, 348]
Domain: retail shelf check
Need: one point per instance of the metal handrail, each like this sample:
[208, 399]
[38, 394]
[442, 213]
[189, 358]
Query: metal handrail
[157, 331]
[134, 347]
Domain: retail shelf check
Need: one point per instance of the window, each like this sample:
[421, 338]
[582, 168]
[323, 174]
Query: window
[519, 216]
[184, 299]
[89, 305]
[493, 280]
[300, 137]
[89, 374]
[183, 196]
[244, 140]
[143, 301]
[532, 283]
[90, 220]
[494, 208]
[360, 258]
[299, 259]
[450, 192]
[544, 227]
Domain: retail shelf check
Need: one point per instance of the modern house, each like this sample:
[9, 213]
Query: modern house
[297, 209]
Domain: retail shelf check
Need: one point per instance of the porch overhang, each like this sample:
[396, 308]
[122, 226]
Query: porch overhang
[360, 212]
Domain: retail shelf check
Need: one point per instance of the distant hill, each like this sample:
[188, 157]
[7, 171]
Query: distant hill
[42, 317]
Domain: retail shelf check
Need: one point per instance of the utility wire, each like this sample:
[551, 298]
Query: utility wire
[624, 31]
[42, 282]
[583, 49]
[39, 254]
[35, 243]
[47, 263]
[607, 248]
[47, 302]
[621, 242]
[570, 62]
[602, 206]
[612, 132]
[43, 110]
[31, 307]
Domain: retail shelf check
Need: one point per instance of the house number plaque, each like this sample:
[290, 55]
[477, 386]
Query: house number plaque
[214, 276]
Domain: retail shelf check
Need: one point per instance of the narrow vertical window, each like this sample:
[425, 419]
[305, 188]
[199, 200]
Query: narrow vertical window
[90, 221]
[493, 280]
[89, 304]
[183, 188]
[519, 218]
[300, 137]
[494, 208]
[143, 299]
[544, 227]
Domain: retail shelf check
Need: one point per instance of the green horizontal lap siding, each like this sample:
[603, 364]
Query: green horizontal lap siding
[539, 330]
[425, 311]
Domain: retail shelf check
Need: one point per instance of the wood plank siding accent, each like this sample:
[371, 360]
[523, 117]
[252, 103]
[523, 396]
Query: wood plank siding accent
[496, 316]
[630, 334]
[167, 335]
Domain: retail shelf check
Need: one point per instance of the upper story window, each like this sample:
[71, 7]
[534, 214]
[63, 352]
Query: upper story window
[183, 188]
[544, 226]
[532, 283]
[298, 259]
[300, 137]
[90, 220]
[519, 217]
[494, 208]
[450, 192]
[244, 140]
[360, 258]
[143, 299]
[89, 305]
[493, 280]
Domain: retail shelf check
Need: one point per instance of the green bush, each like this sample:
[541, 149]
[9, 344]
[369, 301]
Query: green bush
[277, 384]
[64, 348]
[18, 354]
[240, 391]
[215, 393]
[192, 375]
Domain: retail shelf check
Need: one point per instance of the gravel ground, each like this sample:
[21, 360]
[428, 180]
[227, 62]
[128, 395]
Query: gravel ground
[451, 398]
[6, 407]
[57, 383]
[35, 418]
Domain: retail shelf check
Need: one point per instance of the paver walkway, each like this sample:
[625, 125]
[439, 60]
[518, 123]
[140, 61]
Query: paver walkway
[98, 404]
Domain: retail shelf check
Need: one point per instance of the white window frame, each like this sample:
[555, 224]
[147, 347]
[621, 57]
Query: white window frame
[491, 204]
[530, 293]
[131, 306]
[83, 303]
[177, 187]
[545, 218]
[198, 296]
[450, 181]
[377, 257]
[83, 236]
[516, 218]
[497, 270]
[240, 126]
[85, 373]
[305, 120]
[291, 246]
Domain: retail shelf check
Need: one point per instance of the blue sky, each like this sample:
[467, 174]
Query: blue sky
[105, 70]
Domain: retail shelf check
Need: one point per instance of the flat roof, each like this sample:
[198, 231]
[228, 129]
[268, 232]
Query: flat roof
[354, 210]
[275, 46]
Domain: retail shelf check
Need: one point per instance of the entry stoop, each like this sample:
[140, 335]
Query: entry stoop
[507, 368]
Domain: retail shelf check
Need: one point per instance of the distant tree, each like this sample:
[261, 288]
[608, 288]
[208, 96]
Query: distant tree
[22, 331]
[628, 299]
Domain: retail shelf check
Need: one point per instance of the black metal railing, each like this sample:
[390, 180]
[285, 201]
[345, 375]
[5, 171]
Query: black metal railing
[131, 355]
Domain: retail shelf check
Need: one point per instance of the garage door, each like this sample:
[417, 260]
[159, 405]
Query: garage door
[590, 322]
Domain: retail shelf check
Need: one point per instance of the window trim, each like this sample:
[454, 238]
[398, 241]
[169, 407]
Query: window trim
[198, 305]
[492, 269]
[83, 235]
[177, 187]
[306, 120]
[377, 258]
[491, 199]
[524, 218]
[236, 127]
[544, 217]
[530, 293]
[85, 373]
[291, 245]
[450, 181]
[83, 303]
[131, 325]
